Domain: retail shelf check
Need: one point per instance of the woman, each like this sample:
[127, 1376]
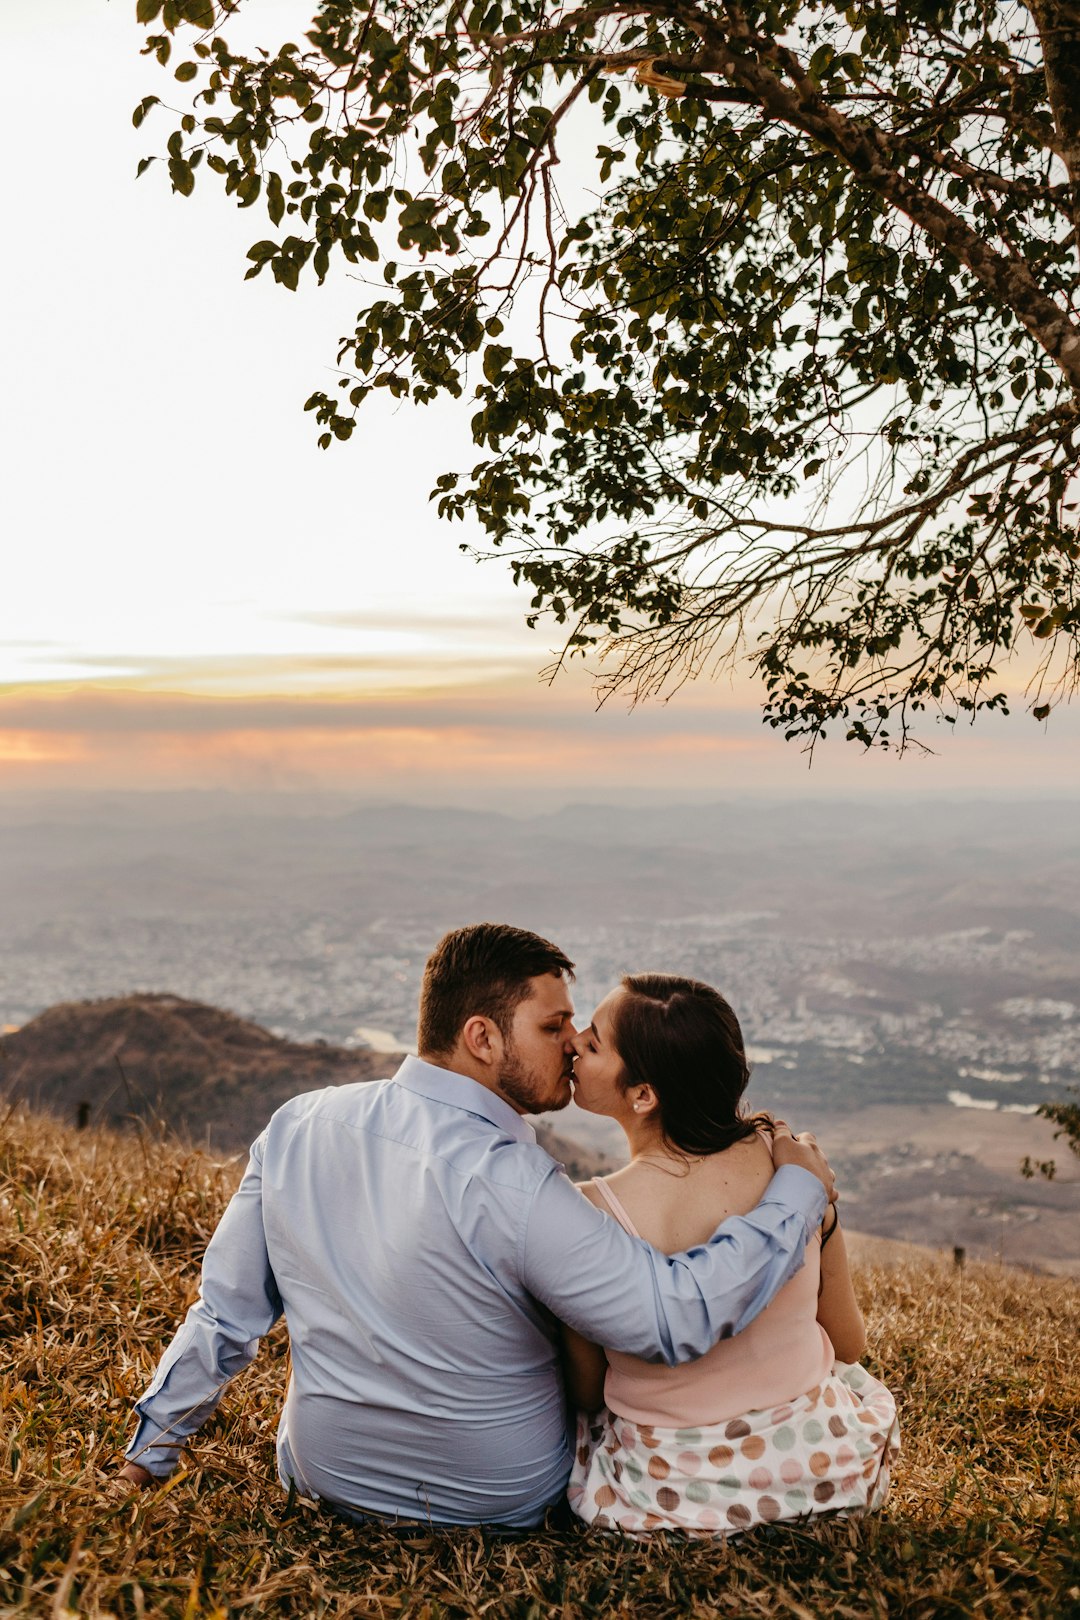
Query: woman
[776, 1423]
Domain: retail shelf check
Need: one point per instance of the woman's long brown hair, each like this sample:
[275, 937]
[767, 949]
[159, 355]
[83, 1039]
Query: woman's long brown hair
[683, 1039]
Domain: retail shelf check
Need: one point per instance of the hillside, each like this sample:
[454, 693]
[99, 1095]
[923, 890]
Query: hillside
[99, 1240]
[204, 1074]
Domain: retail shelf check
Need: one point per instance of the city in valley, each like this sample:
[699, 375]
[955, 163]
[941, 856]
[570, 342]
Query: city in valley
[909, 986]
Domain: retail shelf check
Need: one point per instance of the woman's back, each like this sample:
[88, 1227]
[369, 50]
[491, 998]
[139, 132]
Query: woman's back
[782, 1354]
[764, 1427]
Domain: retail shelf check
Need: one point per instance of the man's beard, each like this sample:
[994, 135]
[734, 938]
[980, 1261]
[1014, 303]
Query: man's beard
[521, 1086]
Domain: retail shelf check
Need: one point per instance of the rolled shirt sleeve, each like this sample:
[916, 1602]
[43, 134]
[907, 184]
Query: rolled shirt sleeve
[620, 1292]
[238, 1302]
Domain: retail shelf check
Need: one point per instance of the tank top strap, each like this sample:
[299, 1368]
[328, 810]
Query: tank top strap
[616, 1206]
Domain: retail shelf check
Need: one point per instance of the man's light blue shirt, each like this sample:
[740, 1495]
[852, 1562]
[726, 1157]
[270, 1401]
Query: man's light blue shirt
[422, 1245]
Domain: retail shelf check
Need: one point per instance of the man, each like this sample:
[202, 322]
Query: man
[423, 1248]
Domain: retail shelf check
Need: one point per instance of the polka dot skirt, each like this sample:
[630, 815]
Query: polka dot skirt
[829, 1450]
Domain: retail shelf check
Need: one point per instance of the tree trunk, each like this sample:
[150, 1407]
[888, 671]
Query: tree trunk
[1058, 22]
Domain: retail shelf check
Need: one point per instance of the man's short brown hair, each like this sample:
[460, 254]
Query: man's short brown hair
[482, 970]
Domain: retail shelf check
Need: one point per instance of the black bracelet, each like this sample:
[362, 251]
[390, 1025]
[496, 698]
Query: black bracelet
[825, 1236]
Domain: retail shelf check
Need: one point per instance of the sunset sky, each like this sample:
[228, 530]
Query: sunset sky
[194, 595]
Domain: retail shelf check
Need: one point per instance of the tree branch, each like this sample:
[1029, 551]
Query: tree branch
[754, 63]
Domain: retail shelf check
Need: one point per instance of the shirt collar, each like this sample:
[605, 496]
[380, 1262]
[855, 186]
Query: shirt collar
[457, 1090]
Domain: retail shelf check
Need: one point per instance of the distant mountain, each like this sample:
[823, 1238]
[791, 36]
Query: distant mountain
[814, 868]
[203, 1073]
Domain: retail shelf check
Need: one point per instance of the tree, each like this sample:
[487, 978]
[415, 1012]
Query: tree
[792, 370]
[1066, 1116]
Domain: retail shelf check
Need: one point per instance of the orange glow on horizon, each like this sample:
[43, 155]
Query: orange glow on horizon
[40, 748]
[354, 757]
[514, 739]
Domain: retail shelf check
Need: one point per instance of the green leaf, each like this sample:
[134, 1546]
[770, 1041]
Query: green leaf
[143, 108]
[147, 10]
[248, 189]
[186, 72]
[275, 199]
[495, 358]
[182, 176]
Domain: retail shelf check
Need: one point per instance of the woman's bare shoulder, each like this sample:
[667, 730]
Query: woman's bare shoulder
[626, 1179]
[748, 1154]
[589, 1190]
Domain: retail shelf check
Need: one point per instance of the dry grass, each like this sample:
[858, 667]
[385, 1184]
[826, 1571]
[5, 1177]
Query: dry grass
[99, 1236]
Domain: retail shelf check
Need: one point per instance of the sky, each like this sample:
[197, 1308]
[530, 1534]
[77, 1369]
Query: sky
[194, 595]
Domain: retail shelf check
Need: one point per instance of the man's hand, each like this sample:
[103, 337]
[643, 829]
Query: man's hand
[137, 1476]
[803, 1151]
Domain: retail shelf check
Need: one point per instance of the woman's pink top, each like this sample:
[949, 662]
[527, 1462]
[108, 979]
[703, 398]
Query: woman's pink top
[783, 1353]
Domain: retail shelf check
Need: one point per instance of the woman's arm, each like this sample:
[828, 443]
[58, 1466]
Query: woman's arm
[670, 1308]
[838, 1309]
[584, 1370]
[584, 1364]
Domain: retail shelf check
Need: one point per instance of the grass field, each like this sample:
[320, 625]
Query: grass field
[99, 1241]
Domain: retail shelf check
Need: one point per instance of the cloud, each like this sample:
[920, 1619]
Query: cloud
[39, 748]
[514, 705]
[394, 661]
[502, 766]
[512, 743]
[502, 621]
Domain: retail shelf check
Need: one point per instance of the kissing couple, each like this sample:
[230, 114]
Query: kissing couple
[476, 1340]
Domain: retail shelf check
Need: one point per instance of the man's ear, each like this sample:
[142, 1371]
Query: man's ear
[482, 1039]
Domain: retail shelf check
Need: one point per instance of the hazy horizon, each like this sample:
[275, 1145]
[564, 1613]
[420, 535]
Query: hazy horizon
[28, 798]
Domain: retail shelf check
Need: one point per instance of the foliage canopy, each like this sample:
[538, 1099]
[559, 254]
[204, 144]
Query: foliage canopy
[790, 365]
